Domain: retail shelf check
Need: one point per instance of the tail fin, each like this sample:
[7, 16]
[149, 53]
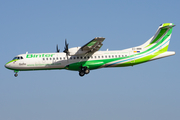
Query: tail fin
[163, 34]
[156, 47]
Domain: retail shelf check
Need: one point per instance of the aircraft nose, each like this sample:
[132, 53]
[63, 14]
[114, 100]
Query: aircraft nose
[6, 65]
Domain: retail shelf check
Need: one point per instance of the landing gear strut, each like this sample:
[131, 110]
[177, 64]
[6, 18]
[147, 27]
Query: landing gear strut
[83, 71]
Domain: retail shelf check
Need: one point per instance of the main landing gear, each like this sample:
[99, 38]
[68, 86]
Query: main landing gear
[15, 73]
[83, 71]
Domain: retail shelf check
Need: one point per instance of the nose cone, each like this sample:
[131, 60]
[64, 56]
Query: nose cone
[7, 65]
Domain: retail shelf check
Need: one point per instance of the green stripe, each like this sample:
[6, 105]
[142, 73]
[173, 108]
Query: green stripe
[161, 33]
[143, 59]
[166, 24]
[149, 57]
[12, 61]
[164, 38]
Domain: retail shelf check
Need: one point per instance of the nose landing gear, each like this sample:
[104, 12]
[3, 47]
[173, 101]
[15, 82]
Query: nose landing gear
[16, 73]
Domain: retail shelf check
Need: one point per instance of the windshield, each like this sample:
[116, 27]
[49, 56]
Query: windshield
[18, 57]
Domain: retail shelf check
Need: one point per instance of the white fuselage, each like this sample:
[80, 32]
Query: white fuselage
[43, 61]
[60, 60]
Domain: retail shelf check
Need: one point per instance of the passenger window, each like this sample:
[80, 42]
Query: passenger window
[60, 58]
[84, 57]
[105, 56]
[122, 55]
[112, 56]
[74, 57]
[46, 58]
[98, 56]
[102, 56]
[43, 58]
[125, 55]
[53, 58]
[64, 58]
[94, 56]
[77, 57]
[81, 57]
[116, 56]
[57, 58]
[88, 57]
[119, 55]
[21, 57]
[50, 58]
[109, 56]
[91, 56]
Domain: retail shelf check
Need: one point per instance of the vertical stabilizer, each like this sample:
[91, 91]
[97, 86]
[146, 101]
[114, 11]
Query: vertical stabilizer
[162, 35]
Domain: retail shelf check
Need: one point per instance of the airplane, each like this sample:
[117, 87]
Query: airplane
[88, 57]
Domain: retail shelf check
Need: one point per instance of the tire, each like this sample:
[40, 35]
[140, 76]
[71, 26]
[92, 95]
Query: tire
[81, 73]
[87, 71]
[16, 75]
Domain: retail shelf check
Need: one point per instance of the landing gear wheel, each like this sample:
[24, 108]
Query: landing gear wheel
[15, 74]
[87, 71]
[81, 73]
[83, 70]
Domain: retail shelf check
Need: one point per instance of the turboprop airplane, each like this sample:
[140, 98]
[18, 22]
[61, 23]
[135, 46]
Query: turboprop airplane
[87, 57]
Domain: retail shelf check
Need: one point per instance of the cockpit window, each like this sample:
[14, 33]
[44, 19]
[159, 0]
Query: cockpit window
[17, 58]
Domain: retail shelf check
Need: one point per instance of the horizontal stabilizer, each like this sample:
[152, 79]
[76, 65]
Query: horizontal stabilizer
[165, 54]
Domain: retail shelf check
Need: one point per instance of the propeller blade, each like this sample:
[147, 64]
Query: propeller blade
[66, 50]
[66, 44]
[57, 49]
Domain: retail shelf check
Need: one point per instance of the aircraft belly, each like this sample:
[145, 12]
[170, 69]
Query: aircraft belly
[37, 68]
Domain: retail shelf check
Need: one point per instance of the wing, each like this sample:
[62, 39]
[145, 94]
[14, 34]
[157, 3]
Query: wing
[94, 45]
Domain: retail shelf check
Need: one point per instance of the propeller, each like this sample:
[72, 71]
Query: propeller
[66, 50]
[57, 49]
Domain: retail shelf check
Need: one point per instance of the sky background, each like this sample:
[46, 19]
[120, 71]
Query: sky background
[148, 91]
